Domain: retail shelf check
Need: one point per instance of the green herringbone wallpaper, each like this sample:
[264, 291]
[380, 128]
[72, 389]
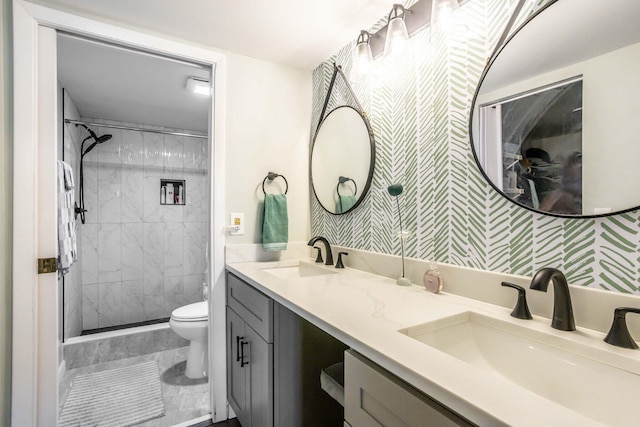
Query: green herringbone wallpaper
[419, 107]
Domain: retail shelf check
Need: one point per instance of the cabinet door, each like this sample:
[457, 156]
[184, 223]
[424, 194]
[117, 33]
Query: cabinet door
[255, 308]
[259, 354]
[237, 375]
[375, 397]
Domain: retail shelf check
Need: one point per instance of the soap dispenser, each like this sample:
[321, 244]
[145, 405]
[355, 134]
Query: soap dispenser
[432, 279]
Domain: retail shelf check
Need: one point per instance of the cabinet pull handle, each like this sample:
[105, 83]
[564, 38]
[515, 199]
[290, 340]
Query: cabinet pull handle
[242, 362]
[238, 339]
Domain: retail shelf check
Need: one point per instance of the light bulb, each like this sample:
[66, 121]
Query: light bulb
[362, 57]
[443, 15]
[397, 37]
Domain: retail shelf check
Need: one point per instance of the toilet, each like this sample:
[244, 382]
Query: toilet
[191, 322]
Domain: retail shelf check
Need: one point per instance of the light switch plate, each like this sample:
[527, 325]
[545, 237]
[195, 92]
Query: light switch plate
[236, 224]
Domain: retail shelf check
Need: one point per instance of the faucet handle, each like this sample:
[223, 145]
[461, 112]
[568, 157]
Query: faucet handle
[339, 263]
[521, 310]
[319, 255]
[619, 333]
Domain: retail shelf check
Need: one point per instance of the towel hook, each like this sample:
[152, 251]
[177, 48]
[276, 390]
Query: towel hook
[343, 180]
[271, 176]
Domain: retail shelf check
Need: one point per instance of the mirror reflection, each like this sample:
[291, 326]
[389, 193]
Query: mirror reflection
[342, 160]
[553, 124]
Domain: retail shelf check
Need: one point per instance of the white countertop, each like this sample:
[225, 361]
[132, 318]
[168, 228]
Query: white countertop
[365, 311]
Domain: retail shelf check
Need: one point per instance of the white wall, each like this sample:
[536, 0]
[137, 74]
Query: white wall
[6, 131]
[268, 117]
[610, 128]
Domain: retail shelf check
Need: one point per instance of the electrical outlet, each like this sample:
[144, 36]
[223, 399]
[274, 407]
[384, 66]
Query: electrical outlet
[236, 224]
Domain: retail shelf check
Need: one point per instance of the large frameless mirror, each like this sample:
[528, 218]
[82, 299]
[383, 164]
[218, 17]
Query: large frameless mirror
[553, 123]
[342, 160]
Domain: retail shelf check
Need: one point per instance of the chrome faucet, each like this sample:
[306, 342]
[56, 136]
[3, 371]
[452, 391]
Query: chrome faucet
[562, 309]
[327, 248]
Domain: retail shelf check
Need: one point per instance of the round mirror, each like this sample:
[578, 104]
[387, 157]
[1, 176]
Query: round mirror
[553, 122]
[342, 160]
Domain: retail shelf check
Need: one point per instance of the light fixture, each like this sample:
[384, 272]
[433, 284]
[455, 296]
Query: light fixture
[362, 56]
[402, 23]
[199, 86]
[443, 18]
[397, 35]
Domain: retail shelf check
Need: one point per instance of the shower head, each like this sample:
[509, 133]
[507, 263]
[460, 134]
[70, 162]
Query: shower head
[103, 138]
[97, 140]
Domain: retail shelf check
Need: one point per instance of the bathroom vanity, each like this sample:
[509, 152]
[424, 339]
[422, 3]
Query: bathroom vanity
[274, 361]
[274, 358]
[412, 349]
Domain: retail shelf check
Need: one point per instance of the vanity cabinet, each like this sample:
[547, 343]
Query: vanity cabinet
[375, 397]
[249, 354]
[301, 351]
[274, 361]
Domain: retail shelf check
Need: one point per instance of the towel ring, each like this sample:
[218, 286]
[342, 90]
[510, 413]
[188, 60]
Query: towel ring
[343, 180]
[271, 176]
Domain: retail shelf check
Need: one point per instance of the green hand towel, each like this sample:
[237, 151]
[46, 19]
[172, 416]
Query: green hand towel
[345, 203]
[275, 223]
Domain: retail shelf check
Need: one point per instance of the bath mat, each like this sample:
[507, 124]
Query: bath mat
[117, 397]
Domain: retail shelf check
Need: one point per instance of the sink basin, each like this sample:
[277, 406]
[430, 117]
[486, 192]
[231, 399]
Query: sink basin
[297, 271]
[546, 364]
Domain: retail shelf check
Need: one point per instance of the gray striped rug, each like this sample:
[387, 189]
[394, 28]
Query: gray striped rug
[117, 397]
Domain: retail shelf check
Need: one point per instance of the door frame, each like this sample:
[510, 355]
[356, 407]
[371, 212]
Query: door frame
[34, 382]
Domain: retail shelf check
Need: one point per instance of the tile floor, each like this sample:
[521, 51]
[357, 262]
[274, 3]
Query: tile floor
[184, 399]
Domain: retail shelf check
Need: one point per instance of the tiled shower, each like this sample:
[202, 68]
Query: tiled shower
[138, 259]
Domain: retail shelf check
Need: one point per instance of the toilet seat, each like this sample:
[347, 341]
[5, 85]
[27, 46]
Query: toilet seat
[195, 312]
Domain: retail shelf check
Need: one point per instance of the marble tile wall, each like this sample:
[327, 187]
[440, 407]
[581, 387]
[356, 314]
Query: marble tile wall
[141, 260]
[93, 351]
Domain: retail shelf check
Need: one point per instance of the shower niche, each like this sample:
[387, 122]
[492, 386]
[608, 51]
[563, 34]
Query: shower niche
[173, 192]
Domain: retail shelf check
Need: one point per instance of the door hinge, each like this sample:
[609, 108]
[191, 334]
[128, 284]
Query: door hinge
[47, 265]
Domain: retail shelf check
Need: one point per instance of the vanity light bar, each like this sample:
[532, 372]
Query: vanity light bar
[416, 18]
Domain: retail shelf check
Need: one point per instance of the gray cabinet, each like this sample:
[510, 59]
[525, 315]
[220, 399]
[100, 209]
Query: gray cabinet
[249, 354]
[274, 361]
[236, 373]
[375, 397]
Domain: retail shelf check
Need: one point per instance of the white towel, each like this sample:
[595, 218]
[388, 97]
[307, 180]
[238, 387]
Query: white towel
[67, 249]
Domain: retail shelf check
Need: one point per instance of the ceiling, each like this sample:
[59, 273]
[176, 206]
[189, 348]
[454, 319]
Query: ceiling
[300, 34]
[115, 84]
[106, 82]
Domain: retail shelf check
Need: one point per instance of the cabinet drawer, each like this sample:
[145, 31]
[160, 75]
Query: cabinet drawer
[375, 397]
[252, 305]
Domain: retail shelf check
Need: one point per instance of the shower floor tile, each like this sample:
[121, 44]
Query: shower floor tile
[184, 399]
